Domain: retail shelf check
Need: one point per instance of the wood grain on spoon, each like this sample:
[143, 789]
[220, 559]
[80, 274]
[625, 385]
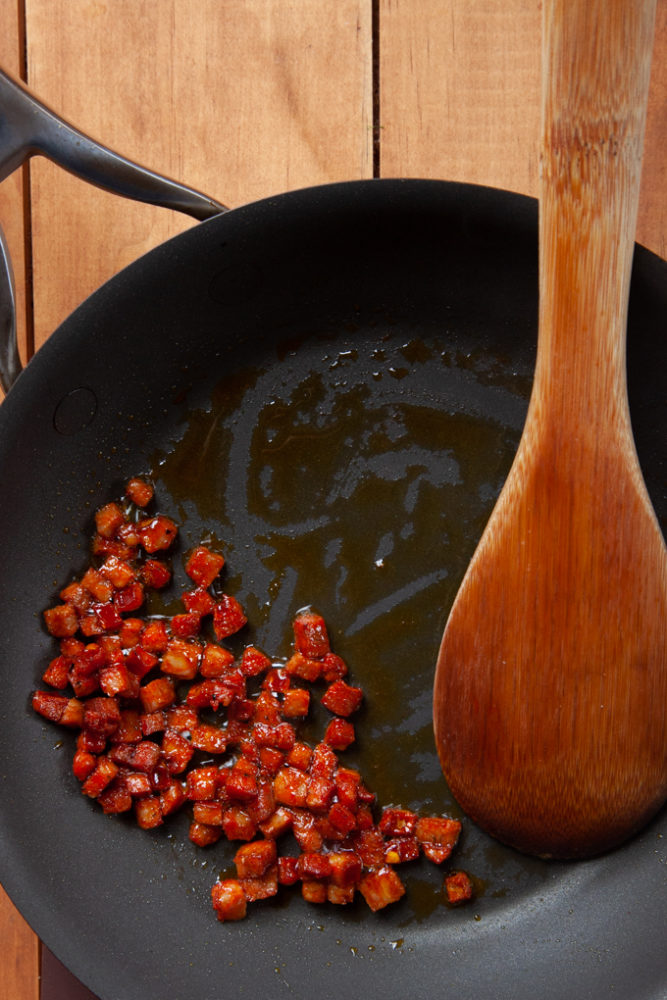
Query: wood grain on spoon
[550, 700]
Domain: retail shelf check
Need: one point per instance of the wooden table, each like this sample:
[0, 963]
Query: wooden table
[247, 98]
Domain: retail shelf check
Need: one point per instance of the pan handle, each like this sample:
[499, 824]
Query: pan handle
[28, 127]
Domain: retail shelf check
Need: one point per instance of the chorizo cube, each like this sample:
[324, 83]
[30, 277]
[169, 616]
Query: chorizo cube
[140, 661]
[215, 661]
[181, 659]
[290, 786]
[176, 751]
[172, 798]
[115, 799]
[155, 574]
[381, 888]
[197, 601]
[296, 703]
[203, 835]
[157, 694]
[61, 620]
[278, 823]
[254, 662]
[345, 868]
[287, 870]
[458, 888]
[313, 865]
[300, 756]
[101, 715]
[398, 822]
[56, 674]
[320, 794]
[204, 565]
[156, 533]
[310, 635]
[314, 891]
[340, 894]
[303, 667]
[237, 824]
[108, 520]
[401, 849]
[333, 667]
[83, 764]
[118, 571]
[186, 625]
[96, 585]
[104, 773]
[339, 734]
[341, 698]
[229, 900]
[254, 859]
[153, 722]
[209, 813]
[155, 637]
[342, 818]
[262, 886]
[438, 836]
[228, 617]
[211, 739]
[139, 491]
[202, 783]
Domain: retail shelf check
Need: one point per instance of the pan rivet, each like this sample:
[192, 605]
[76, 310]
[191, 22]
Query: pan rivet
[75, 411]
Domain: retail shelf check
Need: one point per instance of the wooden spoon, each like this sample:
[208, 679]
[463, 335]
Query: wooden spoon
[550, 700]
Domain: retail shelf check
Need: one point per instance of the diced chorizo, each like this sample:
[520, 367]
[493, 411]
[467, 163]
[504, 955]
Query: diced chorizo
[311, 638]
[139, 491]
[438, 836]
[156, 533]
[228, 617]
[380, 888]
[254, 662]
[216, 661]
[148, 812]
[290, 786]
[155, 574]
[339, 734]
[341, 698]
[104, 772]
[203, 835]
[201, 783]
[256, 858]
[157, 694]
[458, 888]
[204, 565]
[108, 520]
[61, 620]
[229, 900]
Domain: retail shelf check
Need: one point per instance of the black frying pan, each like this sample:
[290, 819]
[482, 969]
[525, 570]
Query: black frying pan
[332, 383]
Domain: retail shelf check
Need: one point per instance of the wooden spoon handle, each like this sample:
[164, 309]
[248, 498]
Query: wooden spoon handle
[596, 66]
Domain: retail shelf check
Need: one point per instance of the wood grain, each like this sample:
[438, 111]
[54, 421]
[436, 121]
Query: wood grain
[20, 946]
[20, 949]
[460, 99]
[556, 646]
[237, 99]
[250, 97]
[13, 190]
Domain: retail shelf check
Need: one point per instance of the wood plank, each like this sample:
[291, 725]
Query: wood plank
[237, 99]
[460, 99]
[12, 189]
[20, 949]
[20, 946]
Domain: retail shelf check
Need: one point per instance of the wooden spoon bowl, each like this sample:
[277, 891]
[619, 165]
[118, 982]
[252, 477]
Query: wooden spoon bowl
[550, 699]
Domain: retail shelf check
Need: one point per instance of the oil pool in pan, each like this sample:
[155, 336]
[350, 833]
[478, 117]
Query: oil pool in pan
[326, 483]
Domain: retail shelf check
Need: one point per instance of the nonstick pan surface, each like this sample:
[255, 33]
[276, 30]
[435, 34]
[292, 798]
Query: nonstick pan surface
[331, 384]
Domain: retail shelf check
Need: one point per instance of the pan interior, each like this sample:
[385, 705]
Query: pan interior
[331, 385]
